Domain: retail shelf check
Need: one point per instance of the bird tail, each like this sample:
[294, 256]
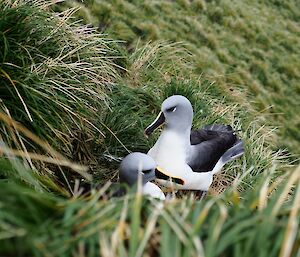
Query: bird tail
[232, 153]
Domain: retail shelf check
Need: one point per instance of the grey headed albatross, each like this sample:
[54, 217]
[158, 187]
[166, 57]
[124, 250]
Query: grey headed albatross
[193, 156]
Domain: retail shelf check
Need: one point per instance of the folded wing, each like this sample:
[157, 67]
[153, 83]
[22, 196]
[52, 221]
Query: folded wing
[213, 144]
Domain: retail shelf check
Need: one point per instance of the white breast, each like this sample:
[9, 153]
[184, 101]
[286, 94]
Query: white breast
[153, 191]
[170, 151]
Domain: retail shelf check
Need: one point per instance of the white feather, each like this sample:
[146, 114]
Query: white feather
[153, 191]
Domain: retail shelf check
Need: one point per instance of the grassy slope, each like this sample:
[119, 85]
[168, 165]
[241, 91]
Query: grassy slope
[36, 217]
[253, 46]
[226, 225]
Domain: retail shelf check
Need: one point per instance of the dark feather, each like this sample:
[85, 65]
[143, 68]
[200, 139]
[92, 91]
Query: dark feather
[209, 132]
[209, 144]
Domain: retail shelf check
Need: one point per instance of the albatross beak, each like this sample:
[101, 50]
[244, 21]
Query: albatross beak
[161, 174]
[149, 177]
[160, 119]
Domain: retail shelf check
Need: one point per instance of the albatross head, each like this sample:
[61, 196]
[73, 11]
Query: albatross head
[135, 165]
[176, 113]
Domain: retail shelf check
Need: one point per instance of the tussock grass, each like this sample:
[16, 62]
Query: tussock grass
[90, 99]
[53, 72]
[248, 45]
[30, 167]
[229, 224]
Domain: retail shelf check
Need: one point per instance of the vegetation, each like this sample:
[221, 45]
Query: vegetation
[74, 102]
[250, 46]
[227, 225]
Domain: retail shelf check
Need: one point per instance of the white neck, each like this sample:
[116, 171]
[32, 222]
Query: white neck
[171, 148]
[153, 191]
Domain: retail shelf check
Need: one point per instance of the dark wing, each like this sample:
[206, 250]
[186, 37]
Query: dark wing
[209, 144]
[209, 132]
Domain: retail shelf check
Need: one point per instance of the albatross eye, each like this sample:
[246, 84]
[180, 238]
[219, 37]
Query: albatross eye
[172, 109]
[147, 171]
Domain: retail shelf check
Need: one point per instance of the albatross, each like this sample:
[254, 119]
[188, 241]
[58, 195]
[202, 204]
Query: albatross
[192, 156]
[139, 164]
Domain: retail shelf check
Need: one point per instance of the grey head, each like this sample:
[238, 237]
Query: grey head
[136, 164]
[176, 113]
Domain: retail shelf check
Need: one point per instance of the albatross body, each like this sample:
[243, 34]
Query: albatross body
[193, 156]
